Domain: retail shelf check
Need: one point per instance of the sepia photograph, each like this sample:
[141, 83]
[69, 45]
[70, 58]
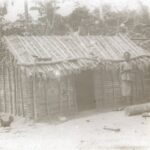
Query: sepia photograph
[74, 74]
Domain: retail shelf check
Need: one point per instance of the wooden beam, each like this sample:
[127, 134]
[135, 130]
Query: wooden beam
[76, 59]
[44, 59]
[54, 62]
[137, 109]
[140, 39]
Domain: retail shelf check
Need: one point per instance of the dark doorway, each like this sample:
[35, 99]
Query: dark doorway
[85, 91]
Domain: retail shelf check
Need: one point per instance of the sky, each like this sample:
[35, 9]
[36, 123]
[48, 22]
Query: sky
[67, 6]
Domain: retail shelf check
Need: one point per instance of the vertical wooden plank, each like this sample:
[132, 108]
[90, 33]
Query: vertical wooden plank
[59, 96]
[120, 88]
[68, 93]
[10, 88]
[28, 96]
[45, 96]
[15, 89]
[113, 94]
[103, 86]
[1, 83]
[74, 92]
[97, 88]
[142, 86]
[142, 83]
[4, 87]
[34, 97]
[21, 92]
[18, 92]
[135, 85]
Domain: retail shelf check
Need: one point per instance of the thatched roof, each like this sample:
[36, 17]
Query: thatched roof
[70, 53]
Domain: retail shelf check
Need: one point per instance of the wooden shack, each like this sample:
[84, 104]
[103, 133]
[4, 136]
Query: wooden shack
[44, 76]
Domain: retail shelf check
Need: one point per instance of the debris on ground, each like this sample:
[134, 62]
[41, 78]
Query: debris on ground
[88, 121]
[146, 115]
[112, 129]
[62, 118]
[120, 108]
[6, 122]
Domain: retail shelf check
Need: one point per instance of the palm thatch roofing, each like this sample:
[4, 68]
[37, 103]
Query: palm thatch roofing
[71, 53]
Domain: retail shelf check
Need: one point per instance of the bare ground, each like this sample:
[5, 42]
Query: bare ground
[82, 133]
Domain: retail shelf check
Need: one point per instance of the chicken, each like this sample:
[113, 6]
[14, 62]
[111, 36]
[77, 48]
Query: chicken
[6, 123]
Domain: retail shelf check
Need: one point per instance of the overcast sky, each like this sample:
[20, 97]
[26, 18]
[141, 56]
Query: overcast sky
[67, 6]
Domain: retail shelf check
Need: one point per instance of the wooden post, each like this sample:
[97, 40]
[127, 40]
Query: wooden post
[34, 91]
[103, 86]
[18, 91]
[68, 93]
[10, 89]
[21, 92]
[4, 87]
[120, 84]
[15, 89]
[75, 93]
[136, 96]
[45, 97]
[112, 78]
[142, 85]
[59, 95]
[4, 79]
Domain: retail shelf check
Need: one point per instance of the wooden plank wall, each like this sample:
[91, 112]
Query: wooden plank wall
[58, 97]
[14, 88]
[54, 97]
[108, 90]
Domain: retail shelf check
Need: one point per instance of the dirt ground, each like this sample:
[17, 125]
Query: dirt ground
[82, 133]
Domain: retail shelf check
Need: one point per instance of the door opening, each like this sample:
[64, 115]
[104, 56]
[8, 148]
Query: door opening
[85, 90]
